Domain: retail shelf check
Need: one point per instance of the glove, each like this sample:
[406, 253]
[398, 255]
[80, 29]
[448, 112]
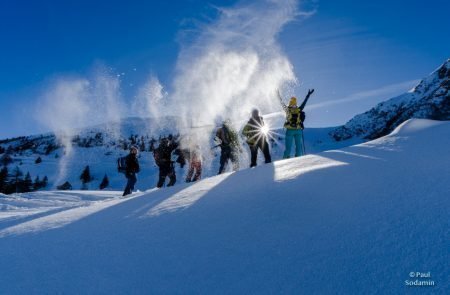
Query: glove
[310, 91]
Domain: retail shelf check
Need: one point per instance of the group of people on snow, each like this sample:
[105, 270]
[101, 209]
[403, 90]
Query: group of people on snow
[255, 132]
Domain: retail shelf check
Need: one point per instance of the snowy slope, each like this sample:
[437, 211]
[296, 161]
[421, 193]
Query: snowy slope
[100, 146]
[353, 221]
[430, 99]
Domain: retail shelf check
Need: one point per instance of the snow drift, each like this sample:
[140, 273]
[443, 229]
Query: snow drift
[355, 220]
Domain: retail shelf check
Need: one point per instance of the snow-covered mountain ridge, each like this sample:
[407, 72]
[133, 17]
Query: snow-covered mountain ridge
[430, 99]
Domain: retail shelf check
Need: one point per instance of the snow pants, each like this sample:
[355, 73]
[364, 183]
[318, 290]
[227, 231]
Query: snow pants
[197, 167]
[293, 135]
[166, 170]
[132, 179]
[264, 147]
[226, 155]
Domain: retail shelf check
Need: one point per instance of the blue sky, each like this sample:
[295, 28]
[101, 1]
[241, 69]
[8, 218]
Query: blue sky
[354, 53]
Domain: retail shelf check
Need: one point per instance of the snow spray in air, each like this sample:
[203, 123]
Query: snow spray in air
[150, 101]
[69, 103]
[234, 65]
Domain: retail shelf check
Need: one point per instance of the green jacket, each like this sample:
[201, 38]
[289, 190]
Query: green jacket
[252, 130]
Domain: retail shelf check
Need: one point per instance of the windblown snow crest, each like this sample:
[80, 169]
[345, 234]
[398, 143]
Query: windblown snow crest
[349, 221]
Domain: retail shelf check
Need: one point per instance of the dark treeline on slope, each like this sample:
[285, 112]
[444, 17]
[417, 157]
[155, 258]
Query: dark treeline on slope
[16, 182]
[46, 144]
[13, 180]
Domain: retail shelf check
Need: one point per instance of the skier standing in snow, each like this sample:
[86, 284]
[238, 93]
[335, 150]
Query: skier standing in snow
[228, 141]
[132, 168]
[294, 124]
[163, 158]
[256, 132]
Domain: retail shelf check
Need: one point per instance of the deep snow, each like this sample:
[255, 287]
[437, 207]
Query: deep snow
[353, 221]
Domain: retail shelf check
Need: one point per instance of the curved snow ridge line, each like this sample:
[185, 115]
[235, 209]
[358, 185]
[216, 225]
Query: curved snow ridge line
[34, 203]
[284, 170]
[62, 219]
[411, 126]
[346, 152]
[292, 168]
[23, 215]
[40, 204]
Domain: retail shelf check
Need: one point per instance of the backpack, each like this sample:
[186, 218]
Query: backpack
[230, 138]
[157, 156]
[302, 119]
[295, 118]
[122, 164]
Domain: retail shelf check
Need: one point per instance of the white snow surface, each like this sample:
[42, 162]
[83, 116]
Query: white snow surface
[357, 220]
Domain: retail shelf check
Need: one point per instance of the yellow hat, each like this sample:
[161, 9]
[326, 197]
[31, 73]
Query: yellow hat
[293, 101]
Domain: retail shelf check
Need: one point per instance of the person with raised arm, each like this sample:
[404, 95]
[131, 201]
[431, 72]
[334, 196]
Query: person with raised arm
[295, 116]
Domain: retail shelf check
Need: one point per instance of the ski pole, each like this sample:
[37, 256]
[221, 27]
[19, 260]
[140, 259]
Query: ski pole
[303, 144]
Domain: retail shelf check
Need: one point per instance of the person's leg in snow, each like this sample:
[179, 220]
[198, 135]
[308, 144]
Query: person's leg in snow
[163, 172]
[264, 146]
[288, 143]
[253, 154]
[298, 143]
[131, 181]
[172, 175]
[198, 170]
[224, 157]
[190, 172]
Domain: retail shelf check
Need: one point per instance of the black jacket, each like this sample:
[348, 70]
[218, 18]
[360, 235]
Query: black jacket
[132, 164]
[163, 153]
